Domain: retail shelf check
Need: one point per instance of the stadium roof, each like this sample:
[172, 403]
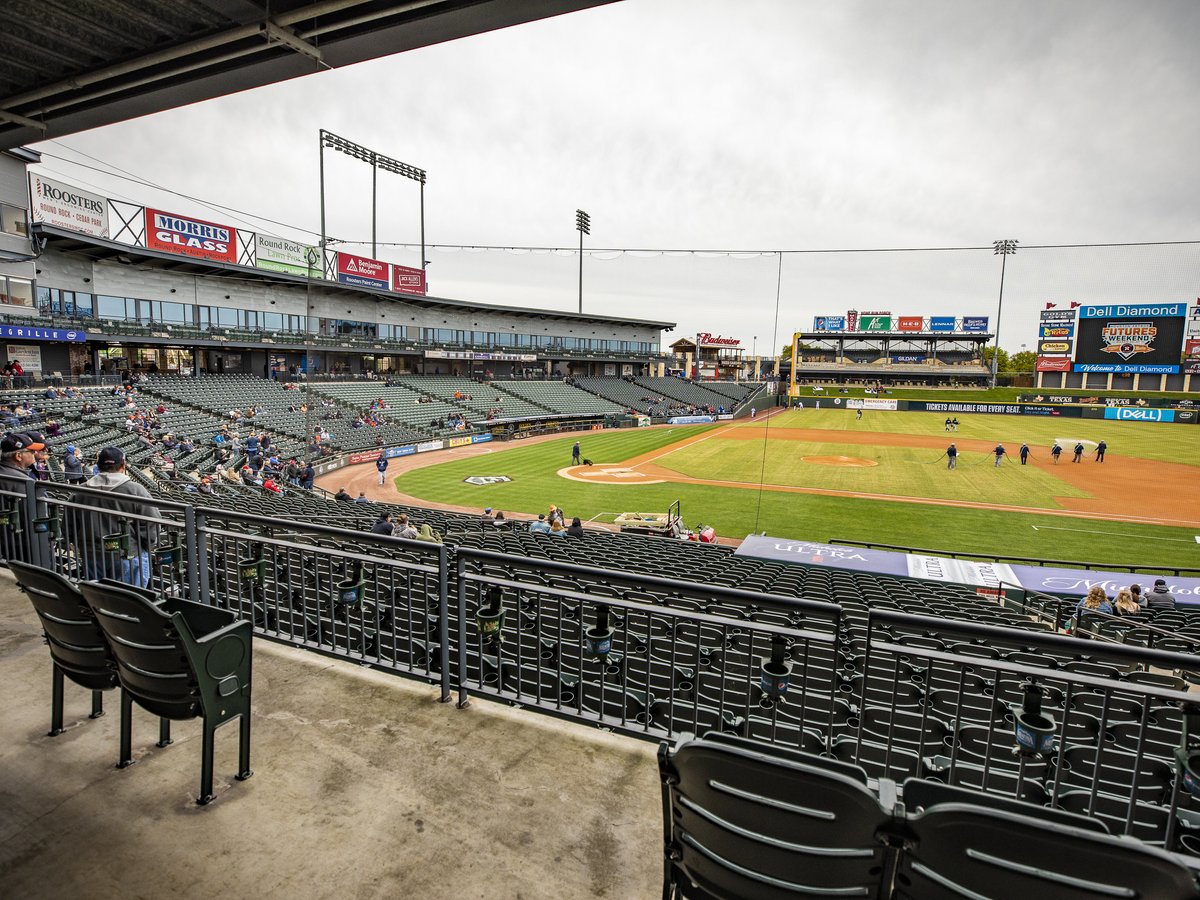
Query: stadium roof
[103, 250]
[70, 65]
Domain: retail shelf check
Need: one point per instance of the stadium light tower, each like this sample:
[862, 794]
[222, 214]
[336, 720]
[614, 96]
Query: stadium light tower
[583, 224]
[377, 161]
[1003, 249]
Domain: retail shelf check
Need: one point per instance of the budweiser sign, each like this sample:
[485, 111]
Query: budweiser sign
[705, 338]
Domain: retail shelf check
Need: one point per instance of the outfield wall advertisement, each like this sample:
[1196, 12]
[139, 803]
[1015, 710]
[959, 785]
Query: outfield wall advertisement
[171, 233]
[1124, 338]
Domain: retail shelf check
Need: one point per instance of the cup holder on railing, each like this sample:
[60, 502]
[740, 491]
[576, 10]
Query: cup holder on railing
[1034, 730]
[566, 698]
[642, 718]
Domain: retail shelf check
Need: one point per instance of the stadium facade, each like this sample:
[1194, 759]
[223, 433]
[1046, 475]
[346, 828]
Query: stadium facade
[93, 285]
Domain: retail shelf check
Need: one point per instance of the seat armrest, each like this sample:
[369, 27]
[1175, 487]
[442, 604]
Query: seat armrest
[201, 619]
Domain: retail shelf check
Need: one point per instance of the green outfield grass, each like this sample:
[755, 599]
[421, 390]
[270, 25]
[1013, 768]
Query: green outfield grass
[1167, 443]
[736, 512]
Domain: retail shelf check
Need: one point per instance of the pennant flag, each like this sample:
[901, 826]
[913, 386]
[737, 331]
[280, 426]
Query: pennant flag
[1074, 304]
[1051, 305]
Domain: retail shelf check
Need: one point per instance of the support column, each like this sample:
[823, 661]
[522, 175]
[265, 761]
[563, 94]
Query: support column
[1108, 384]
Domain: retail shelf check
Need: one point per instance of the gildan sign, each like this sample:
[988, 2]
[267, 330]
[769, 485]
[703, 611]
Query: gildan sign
[170, 233]
[281, 255]
[407, 280]
[64, 206]
[360, 271]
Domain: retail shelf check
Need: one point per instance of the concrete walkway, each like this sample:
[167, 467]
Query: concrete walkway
[364, 786]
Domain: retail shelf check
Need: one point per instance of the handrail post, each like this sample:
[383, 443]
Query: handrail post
[201, 548]
[461, 629]
[444, 619]
[193, 557]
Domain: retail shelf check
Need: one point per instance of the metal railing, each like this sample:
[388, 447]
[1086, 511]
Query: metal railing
[941, 700]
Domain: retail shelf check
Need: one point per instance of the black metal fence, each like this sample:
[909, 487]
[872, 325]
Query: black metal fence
[901, 695]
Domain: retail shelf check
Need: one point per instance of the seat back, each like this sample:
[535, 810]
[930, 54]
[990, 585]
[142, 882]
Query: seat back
[77, 643]
[744, 822]
[964, 850]
[152, 661]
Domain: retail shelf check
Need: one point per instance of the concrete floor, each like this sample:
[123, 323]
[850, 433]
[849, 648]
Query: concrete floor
[364, 786]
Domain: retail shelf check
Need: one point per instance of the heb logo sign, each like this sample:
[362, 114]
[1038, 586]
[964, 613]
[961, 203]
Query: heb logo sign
[361, 271]
[909, 323]
[170, 233]
[407, 280]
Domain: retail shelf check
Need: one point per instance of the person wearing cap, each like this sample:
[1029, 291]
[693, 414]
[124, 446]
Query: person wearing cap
[1160, 597]
[112, 517]
[541, 526]
[73, 466]
[18, 455]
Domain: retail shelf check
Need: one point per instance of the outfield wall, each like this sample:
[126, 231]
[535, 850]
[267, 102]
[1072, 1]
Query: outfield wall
[945, 407]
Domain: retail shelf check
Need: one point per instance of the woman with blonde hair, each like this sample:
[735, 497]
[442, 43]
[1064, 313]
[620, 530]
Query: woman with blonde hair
[1095, 601]
[1125, 605]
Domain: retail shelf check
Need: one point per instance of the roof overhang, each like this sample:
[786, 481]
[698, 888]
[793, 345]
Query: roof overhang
[71, 65]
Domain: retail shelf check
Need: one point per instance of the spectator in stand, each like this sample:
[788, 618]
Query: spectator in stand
[205, 486]
[488, 518]
[404, 528]
[1125, 605]
[362, 497]
[1160, 597]
[383, 525]
[271, 485]
[1095, 601]
[1136, 590]
[308, 476]
[500, 521]
[73, 466]
[555, 515]
[186, 446]
[343, 496]
[557, 529]
[541, 526]
[575, 529]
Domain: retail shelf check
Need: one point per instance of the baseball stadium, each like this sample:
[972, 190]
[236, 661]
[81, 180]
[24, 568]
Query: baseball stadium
[503, 600]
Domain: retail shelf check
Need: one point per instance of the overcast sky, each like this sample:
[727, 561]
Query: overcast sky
[779, 124]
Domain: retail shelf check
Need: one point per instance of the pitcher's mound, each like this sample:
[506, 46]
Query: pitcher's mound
[855, 461]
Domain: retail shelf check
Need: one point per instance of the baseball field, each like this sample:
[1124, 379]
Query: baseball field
[824, 474]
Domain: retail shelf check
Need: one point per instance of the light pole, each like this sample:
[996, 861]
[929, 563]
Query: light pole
[377, 161]
[583, 224]
[1003, 249]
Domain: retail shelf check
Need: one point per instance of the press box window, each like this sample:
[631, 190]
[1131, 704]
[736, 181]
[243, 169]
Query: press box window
[12, 220]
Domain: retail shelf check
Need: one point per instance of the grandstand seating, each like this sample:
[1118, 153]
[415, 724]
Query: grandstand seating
[688, 393]
[560, 397]
[484, 397]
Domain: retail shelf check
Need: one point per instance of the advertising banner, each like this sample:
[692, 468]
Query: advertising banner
[25, 333]
[909, 323]
[1191, 365]
[1049, 348]
[30, 358]
[290, 257]
[1138, 414]
[407, 280]
[909, 358]
[366, 456]
[1053, 364]
[975, 324]
[64, 206]
[875, 321]
[426, 446]
[468, 354]
[1058, 315]
[393, 452]
[1130, 338]
[1193, 322]
[361, 271]
[481, 438]
[870, 403]
[941, 324]
[1077, 582]
[938, 407]
[169, 233]
[1057, 331]
[689, 420]
[460, 442]
[880, 562]
[829, 323]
